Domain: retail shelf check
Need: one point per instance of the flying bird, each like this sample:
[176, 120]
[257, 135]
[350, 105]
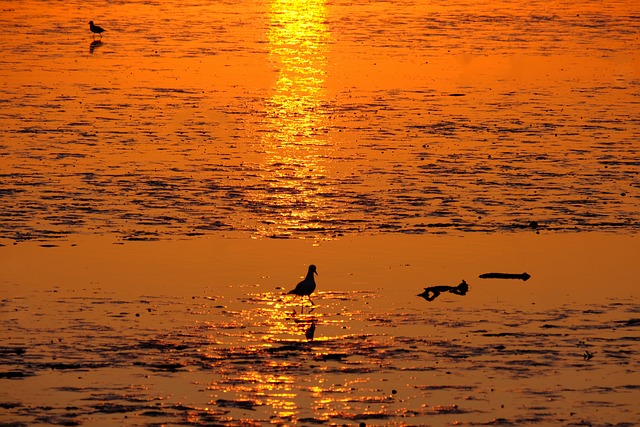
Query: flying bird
[307, 286]
[96, 29]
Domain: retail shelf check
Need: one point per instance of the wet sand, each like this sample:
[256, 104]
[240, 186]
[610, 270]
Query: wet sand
[101, 332]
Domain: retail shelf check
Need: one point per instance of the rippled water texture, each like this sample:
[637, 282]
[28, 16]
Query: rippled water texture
[207, 361]
[206, 340]
[129, 338]
[317, 118]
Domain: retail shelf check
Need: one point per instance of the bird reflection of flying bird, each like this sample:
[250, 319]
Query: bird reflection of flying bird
[307, 286]
[96, 29]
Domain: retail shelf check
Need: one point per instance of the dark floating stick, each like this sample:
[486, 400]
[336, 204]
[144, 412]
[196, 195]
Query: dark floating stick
[523, 276]
[434, 292]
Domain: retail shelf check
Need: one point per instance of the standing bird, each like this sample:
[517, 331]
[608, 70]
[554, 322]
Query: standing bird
[307, 286]
[96, 29]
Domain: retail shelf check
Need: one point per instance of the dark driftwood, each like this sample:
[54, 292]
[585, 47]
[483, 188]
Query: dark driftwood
[518, 276]
[434, 292]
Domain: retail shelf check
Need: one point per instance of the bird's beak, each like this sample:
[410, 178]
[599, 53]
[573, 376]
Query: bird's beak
[316, 273]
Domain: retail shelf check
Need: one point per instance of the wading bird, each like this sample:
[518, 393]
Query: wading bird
[307, 286]
[96, 29]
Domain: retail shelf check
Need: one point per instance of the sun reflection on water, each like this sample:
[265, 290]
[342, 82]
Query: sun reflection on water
[298, 39]
[276, 341]
[294, 135]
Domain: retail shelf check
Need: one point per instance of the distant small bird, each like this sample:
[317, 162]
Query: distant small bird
[96, 29]
[587, 355]
[307, 286]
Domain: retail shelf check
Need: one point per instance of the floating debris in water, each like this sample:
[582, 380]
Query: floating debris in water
[433, 292]
[517, 276]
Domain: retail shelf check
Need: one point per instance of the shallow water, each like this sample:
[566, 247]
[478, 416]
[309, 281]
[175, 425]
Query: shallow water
[366, 127]
[206, 340]
[205, 360]
[317, 118]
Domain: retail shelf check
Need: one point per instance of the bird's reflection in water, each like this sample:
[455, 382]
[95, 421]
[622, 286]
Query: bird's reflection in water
[94, 45]
[311, 331]
[305, 322]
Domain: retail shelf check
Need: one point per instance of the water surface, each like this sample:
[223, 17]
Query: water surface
[366, 127]
[317, 118]
[182, 333]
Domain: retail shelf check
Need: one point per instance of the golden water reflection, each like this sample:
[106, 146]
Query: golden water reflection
[282, 328]
[219, 354]
[298, 39]
[294, 136]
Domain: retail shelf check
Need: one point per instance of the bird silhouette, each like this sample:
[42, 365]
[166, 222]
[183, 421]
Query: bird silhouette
[307, 286]
[96, 29]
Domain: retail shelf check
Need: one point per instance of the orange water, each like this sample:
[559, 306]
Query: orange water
[315, 118]
[201, 332]
[396, 145]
